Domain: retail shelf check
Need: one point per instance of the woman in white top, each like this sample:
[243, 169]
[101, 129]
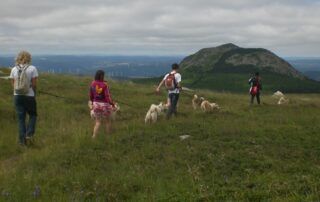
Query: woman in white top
[24, 81]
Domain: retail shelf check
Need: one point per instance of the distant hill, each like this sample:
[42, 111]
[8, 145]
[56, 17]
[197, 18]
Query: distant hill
[315, 75]
[228, 67]
[308, 66]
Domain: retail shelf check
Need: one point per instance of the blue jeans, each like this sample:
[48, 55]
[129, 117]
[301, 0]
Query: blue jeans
[174, 97]
[26, 105]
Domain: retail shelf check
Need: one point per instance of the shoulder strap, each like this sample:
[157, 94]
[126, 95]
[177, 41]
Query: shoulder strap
[174, 79]
[22, 68]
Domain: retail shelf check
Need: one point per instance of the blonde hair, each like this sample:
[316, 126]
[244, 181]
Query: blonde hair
[23, 57]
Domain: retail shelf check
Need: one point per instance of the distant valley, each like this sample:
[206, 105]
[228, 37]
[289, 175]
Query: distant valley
[134, 66]
[114, 66]
[308, 66]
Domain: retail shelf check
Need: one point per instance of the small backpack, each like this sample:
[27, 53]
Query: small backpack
[254, 90]
[170, 82]
[22, 83]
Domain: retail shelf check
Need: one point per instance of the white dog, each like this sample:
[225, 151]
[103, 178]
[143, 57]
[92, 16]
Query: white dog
[206, 106]
[196, 101]
[115, 111]
[90, 105]
[278, 94]
[283, 100]
[153, 112]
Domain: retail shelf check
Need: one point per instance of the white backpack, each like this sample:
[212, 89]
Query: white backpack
[22, 83]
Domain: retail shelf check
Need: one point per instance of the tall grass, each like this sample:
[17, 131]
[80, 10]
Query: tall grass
[242, 153]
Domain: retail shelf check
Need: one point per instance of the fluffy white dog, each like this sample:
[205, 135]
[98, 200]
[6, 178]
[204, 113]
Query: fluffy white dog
[278, 94]
[206, 106]
[153, 112]
[115, 111]
[196, 101]
[90, 105]
[283, 100]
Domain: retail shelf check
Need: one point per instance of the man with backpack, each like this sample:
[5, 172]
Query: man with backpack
[24, 80]
[256, 87]
[172, 82]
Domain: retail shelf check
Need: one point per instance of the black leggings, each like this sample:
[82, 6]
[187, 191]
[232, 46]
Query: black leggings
[257, 96]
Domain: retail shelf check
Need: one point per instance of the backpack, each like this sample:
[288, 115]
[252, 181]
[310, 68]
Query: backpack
[254, 90]
[22, 83]
[170, 82]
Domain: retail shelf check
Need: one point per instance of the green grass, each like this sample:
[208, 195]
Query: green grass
[241, 153]
[238, 82]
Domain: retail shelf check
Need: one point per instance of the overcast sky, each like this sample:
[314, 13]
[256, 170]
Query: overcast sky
[158, 27]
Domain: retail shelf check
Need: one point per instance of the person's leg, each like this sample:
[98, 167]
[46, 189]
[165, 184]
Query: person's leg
[108, 125]
[21, 113]
[174, 97]
[31, 106]
[252, 98]
[258, 98]
[175, 102]
[96, 127]
[170, 110]
[168, 102]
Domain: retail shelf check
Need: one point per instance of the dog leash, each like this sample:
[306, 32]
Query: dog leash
[51, 94]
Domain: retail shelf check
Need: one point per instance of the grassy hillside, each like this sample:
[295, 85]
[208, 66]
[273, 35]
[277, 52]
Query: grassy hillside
[236, 81]
[241, 153]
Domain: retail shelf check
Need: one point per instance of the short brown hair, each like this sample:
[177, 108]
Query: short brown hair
[23, 57]
[175, 66]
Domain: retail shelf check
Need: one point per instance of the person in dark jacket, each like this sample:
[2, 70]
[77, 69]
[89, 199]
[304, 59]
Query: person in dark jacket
[256, 87]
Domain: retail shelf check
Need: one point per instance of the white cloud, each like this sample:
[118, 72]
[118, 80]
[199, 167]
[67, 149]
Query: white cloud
[158, 27]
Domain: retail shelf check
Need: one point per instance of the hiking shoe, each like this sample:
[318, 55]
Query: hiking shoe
[22, 144]
[29, 140]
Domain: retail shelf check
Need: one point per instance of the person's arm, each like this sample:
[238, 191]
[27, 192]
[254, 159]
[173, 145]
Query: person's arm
[34, 80]
[108, 96]
[178, 80]
[91, 96]
[159, 86]
[179, 85]
[12, 78]
[34, 84]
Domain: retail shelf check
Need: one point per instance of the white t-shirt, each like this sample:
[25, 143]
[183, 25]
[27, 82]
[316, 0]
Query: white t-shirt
[177, 77]
[31, 72]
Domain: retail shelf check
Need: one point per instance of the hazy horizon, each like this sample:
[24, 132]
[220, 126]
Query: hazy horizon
[150, 56]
